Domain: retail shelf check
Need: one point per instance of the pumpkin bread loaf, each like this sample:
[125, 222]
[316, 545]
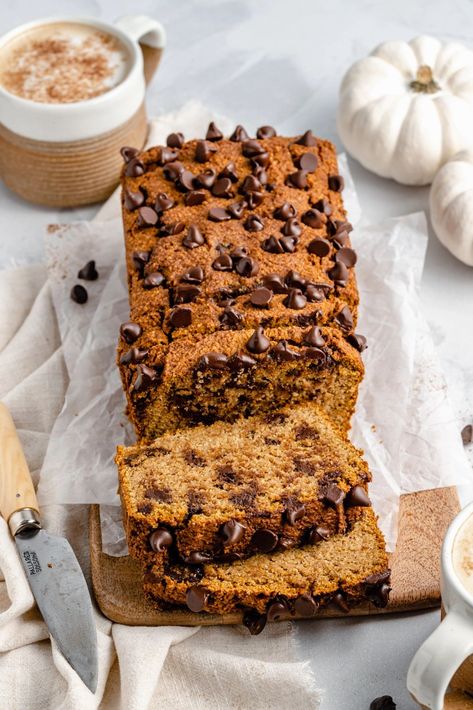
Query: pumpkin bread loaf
[228, 491]
[344, 570]
[242, 292]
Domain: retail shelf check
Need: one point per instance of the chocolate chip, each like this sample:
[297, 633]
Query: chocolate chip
[232, 532]
[264, 540]
[153, 280]
[345, 319]
[240, 361]
[147, 217]
[132, 200]
[323, 206]
[313, 218]
[261, 175]
[247, 267]
[252, 148]
[308, 162]
[160, 540]
[305, 605]
[170, 229]
[187, 293]
[275, 283]
[297, 179]
[314, 293]
[467, 434]
[79, 294]
[265, 132]
[231, 317]
[384, 702]
[282, 353]
[285, 212]
[213, 133]
[339, 274]
[88, 272]
[340, 240]
[222, 188]
[180, 317]
[294, 279]
[258, 343]
[336, 183]
[295, 513]
[167, 155]
[275, 610]
[133, 355]
[261, 296]
[229, 171]
[340, 600]
[175, 140]
[218, 214]
[171, 171]
[292, 228]
[319, 247]
[213, 361]
[196, 598]
[197, 557]
[314, 338]
[134, 168]
[140, 259]
[163, 203]
[253, 199]
[205, 179]
[194, 237]
[236, 210]
[239, 134]
[346, 256]
[250, 184]
[260, 160]
[317, 534]
[185, 181]
[194, 275]
[273, 245]
[357, 497]
[358, 341]
[130, 332]
[144, 377]
[295, 299]
[204, 150]
[333, 495]
[316, 354]
[223, 263]
[128, 153]
[253, 223]
[307, 139]
[254, 622]
[378, 594]
[194, 197]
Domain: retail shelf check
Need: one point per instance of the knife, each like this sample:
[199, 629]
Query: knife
[51, 567]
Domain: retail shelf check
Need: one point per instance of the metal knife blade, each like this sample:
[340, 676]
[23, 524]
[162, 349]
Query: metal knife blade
[63, 598]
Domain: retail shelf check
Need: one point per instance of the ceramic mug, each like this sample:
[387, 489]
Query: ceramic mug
[440, 656]
[67, 154]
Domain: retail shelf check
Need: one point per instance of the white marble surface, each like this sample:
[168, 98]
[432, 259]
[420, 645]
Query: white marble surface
[269, 61]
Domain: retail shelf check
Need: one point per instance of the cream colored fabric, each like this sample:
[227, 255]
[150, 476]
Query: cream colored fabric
[168, 667]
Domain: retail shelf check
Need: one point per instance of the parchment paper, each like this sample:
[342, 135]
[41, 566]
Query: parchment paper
[403, 420]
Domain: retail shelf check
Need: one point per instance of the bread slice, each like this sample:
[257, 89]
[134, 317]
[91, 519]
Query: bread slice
[343, 570]
[227, 491]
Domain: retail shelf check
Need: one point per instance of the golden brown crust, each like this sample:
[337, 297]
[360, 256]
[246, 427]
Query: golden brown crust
[169, 305]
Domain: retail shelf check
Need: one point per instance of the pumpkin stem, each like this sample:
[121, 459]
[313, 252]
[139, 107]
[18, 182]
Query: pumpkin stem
[424, 83]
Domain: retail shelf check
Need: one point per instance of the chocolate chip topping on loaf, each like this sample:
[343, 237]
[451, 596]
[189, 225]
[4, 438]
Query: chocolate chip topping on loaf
[243, 295]
[228, 491]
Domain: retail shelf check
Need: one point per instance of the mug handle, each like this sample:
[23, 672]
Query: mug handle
[150, 35]
[436, 661]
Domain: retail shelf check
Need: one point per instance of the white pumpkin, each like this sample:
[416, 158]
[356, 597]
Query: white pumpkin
[451, 206]
[408, 108]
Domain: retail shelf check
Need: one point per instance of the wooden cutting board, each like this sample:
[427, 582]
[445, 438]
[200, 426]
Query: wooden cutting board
[423, 521]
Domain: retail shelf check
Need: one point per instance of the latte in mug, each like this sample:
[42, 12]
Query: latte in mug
[63, 62]
[462, 554]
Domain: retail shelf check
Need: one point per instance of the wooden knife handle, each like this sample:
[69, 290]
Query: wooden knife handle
[16, 487]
